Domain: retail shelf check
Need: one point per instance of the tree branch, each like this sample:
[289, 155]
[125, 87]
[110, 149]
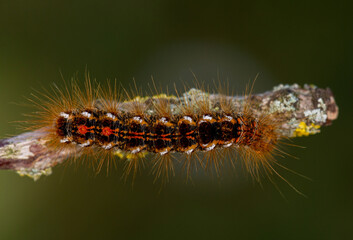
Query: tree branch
[303, 111]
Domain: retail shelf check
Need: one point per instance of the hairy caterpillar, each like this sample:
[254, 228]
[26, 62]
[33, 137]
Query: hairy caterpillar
[110, 123]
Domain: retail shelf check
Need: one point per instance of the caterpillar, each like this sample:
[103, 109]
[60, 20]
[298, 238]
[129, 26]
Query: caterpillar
[112, 122]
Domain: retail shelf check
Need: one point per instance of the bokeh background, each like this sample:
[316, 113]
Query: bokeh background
[282, 41]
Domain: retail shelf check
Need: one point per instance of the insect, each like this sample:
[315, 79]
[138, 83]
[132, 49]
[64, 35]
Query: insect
[110, 122]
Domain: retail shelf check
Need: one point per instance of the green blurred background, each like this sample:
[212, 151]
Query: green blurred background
[284, 41]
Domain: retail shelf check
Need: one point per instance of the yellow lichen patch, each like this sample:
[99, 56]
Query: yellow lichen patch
[134, 156]
[137, 99]
[143, 99]
[34, 173]
[163, 95]
[305, 130]
[119, 154]
[122, 155]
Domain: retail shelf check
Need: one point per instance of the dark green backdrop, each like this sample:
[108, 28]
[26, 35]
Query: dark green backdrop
[284, 41]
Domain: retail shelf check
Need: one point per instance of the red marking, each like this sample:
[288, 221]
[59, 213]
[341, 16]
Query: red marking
[165, 135]
[189, 133]
[107, 131]
[82, 129]
[190, 137]
[137, 133]
[166, 139]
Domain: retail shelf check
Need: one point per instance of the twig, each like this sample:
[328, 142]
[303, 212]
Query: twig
[303, 111]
